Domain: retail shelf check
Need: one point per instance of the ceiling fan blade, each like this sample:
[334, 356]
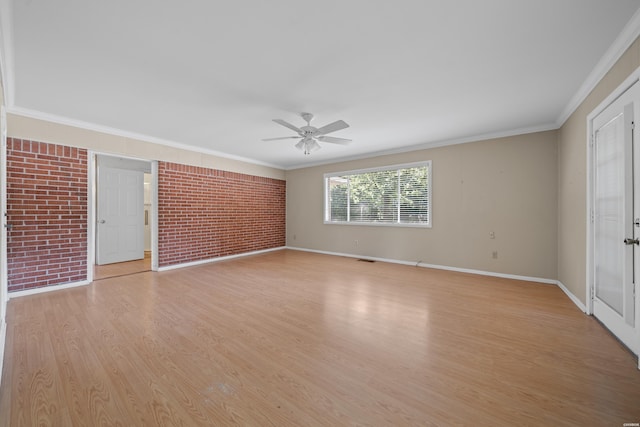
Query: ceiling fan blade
[331, 127]
[288, 125]
[334, 140]
[282, 137]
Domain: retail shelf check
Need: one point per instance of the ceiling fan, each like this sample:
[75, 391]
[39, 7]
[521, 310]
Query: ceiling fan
[309, 135]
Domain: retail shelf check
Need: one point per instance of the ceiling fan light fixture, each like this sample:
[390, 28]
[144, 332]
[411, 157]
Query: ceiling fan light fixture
[311, 135]
[313, 145]
[308, 145]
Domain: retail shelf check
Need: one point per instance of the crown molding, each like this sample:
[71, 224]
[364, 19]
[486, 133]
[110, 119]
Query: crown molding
[52, 118]
[38, 115]
[627, 36]
[433, 144]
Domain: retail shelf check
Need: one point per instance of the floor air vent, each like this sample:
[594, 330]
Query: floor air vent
[365, 260]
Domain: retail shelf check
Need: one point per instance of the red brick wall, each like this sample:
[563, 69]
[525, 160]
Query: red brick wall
[203, 213]
[47, 209]
[206, 213]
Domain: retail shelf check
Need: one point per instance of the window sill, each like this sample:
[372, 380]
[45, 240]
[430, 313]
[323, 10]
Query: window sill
[379, 224]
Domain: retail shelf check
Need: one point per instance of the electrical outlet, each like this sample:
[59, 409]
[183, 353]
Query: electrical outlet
[492, 235]
[494, 255]
[294, 237]
[355, 242]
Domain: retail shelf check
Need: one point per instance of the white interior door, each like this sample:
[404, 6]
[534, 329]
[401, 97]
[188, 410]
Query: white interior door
[3, 213]
[120, 215]
[615, 207]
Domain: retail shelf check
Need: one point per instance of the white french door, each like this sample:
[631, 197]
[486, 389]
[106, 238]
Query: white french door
[616, 216]
[120, 215]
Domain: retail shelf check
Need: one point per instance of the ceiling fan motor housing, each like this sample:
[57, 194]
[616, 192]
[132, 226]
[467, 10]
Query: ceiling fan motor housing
[308, 130]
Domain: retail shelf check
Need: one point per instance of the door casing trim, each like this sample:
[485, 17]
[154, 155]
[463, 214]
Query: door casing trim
[590, 276]
[91, 212]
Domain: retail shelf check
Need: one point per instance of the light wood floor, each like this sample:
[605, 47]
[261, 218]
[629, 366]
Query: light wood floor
[298, 339]
[122, 268]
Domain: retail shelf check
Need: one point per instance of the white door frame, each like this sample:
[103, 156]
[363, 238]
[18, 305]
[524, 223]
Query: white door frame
[590, 276]
[4, 282]
[92, 205]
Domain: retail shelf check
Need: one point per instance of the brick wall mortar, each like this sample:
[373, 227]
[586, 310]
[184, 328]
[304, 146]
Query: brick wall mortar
[206, 213]
[47, 210]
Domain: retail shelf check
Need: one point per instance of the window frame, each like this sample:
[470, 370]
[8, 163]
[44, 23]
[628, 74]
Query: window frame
[396, 167]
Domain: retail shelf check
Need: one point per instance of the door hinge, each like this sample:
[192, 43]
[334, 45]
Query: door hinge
[593, 215]
[593, 291]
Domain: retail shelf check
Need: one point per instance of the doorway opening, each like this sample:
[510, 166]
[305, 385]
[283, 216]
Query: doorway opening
[122, 212]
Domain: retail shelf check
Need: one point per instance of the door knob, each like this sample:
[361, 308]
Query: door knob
[102, 221]
[629, 241]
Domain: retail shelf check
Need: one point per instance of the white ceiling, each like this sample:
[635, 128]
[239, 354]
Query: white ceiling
[403, 74]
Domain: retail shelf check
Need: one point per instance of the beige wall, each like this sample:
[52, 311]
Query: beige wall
[505, 185]
[44, 131]
[572, 177]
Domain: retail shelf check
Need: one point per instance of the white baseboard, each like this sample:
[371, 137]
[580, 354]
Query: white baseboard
[438, 267]
[572, 297]
[490, 273]
[222, 258]
[293, 248]
[3, 340]
[47, 289]
[34, 291]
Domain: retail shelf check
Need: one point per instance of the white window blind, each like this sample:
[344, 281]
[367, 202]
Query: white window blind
[393, 195]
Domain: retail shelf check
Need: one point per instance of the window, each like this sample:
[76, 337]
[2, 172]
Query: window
[393, 195]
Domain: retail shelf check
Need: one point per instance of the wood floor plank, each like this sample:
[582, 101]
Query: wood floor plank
[291, 338]
[122, 268]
